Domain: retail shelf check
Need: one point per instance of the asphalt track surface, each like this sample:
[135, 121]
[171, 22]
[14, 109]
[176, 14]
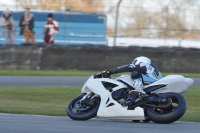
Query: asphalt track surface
[10, 123]
[51, 81]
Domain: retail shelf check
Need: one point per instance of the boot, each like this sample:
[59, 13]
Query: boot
[138, 86]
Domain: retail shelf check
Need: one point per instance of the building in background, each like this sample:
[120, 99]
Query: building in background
[76, 28]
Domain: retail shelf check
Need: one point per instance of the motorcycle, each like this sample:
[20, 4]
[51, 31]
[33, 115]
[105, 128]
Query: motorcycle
[116, 99]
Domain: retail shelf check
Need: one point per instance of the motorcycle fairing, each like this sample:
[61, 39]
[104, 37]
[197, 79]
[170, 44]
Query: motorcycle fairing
[109, 108]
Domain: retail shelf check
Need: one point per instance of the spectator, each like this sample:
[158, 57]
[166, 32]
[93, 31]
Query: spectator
[8, 27]
[27, 24]
[51, 29]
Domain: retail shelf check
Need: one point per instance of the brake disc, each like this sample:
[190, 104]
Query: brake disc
[80, 107]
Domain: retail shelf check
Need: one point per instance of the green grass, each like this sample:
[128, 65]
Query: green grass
[36, 100]
[193, 105]
[70, 73]
[53, 101]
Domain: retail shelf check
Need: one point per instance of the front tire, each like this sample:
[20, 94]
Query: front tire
[170, 114]
[88, 113]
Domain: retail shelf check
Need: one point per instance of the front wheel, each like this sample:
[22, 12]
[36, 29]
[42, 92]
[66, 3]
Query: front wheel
[79, 111]
[172, 113]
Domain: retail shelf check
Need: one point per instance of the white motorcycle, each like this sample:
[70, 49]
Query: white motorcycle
[112, 99]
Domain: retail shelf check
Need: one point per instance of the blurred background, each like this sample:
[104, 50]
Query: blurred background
[151, 23]
[108, 33]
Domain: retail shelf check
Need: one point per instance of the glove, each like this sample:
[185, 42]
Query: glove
[106, 73]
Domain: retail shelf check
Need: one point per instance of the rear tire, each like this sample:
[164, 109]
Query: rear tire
[171, 114]
[84, 115]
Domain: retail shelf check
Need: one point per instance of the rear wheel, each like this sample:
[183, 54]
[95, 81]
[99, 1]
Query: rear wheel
[80, 111]
[171, 113]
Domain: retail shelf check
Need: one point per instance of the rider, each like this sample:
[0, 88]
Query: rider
[141, 68]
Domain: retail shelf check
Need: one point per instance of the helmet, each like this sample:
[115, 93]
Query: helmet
[141, 59]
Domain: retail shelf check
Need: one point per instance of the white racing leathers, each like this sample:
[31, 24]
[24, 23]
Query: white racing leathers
[137, 84]
[137, 72]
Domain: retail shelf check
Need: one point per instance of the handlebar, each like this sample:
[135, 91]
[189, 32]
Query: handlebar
[100, 75]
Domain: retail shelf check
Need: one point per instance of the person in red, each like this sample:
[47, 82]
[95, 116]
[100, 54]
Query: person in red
[51, 29]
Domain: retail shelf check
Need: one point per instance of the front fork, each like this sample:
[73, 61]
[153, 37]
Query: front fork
[89, 99]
